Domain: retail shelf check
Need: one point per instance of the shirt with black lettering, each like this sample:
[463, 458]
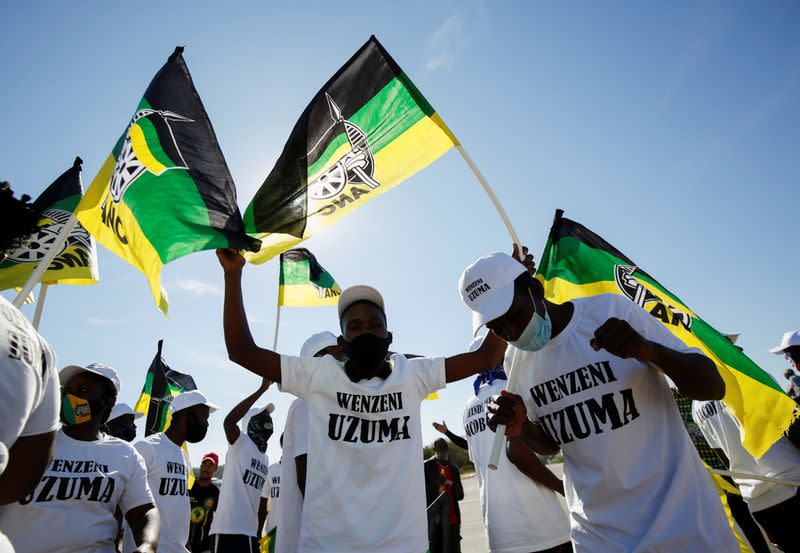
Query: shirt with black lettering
[519, 514]
[632, 477]
[72, 508]
[272, 492]
[295, 444]
[365, 489]
[168, 469]
[244, 478]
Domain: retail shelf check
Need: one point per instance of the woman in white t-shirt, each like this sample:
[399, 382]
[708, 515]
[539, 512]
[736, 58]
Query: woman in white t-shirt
[91, 475]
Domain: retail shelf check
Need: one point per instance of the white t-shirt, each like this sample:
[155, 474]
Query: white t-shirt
[244, 477]
[519, 514]
[72, 508]
[365, 489]
[782, 460]
[295, 443]
[29, 387]
[632, 477]
[168, 469]
[272, 491]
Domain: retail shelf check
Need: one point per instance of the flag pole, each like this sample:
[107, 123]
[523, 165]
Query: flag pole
[500, 434]
[40, 269]
[277, 326]
[37, 315]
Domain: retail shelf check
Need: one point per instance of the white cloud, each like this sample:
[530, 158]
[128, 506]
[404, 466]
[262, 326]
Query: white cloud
[199, 287]
[105, 321]
[445, 43]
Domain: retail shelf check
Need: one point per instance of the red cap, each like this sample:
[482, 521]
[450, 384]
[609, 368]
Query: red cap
[213, 457]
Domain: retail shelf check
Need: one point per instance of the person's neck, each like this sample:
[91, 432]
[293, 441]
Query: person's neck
[560, 315]
[382, 370]
[203, 483]
[86, 432]
[175, 435]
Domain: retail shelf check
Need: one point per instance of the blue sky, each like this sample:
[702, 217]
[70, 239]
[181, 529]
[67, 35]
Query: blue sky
[672, 131]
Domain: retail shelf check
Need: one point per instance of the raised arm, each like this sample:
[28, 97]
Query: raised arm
[242, 349]
[490, 354]
[456, 440]
[231, 422]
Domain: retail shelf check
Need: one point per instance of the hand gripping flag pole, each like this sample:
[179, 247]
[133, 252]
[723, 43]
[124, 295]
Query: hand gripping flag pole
[500, 434]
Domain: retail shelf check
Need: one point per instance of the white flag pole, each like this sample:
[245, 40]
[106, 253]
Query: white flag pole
[37, 315]
[500, 434]
[40, 269]
[734, 474]
[277, 326]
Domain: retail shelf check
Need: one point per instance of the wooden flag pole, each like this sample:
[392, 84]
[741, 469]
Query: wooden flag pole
[37, 315]
[40, 269]
[500, 434]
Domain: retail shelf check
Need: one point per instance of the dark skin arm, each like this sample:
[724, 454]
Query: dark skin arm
[231, 422]
[694, 374]
[145, 526]
[463, 365]
[530, 465]
[456, 440]
[28, 458]
[509, 409]
[300, 464]
[262, 514]
[242, 349]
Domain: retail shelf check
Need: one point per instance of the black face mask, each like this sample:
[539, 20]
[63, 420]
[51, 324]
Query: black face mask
[195, 431]
[367, 350]
[127, 433]
[259, 429]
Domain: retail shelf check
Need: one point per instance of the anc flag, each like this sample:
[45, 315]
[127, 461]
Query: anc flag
[165, 190]
[303, 281]
[76, 262]
[577, 263]
[368, 129]
[267, 542]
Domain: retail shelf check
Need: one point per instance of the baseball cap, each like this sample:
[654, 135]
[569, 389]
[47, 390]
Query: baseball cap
[789, 339]
[732, 336]
[121, 409]
[487, 287]
[97, 368]
[190, 399]
[317, 343]
[213, 457]
[359, 292]
[269, 408]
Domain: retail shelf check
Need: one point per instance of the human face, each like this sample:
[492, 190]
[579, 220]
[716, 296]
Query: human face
[196, 423]
[92, 388]
[363, 318]
[513, 322]
[122, 427]
[792, 355]
[207, 469]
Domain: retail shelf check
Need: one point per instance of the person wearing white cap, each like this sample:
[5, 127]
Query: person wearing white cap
[295, 447]
[364, 489]
[789, 347]
[632, 479]
[120, 424]
[168, 468]
[235, 526]
[91, 475]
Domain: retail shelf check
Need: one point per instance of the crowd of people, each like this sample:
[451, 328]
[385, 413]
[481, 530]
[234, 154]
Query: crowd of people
[592, 384]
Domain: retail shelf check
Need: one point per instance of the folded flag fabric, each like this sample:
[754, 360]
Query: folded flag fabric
[304, 282]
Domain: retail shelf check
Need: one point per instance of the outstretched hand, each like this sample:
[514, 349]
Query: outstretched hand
[441, 427]
[527, 260]
[230, 259]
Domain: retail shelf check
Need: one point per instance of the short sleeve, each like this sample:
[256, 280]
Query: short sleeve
[429, 372]
[266, 487]
[137, 491]
[300, 430]
[297, 373]
[17, 397]
[707, 427]
[44, 417]
[146, 451]
[651, 329]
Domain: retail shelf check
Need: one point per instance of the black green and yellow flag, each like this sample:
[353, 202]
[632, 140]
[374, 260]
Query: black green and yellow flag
[160, 385]
[76, 262]
[577, 263]
[165, 190]
[304, 282]
[367, 130]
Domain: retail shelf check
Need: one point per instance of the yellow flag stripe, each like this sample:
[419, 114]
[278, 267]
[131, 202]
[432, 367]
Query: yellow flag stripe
[294, 295]
[142, 151]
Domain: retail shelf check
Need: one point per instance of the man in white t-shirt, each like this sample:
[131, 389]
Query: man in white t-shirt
[28, 378]
[168, 468]
[364, 487]
[776, 507]
[235, 526]
[92, 477]
[269, 510]
[632, 478]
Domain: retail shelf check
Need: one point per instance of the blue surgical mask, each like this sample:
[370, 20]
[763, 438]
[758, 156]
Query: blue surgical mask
[537, 333]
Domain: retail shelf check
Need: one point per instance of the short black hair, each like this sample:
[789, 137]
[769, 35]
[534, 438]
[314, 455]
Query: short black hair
[19, 219]
[372, 303]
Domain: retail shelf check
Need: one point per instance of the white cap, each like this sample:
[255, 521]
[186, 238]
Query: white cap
[732, 336]
[487, 287]
[789, 339]
[317, 343]
[269, 408]
[121, 409]
[190, 399]
[359, 292]
[97, 368]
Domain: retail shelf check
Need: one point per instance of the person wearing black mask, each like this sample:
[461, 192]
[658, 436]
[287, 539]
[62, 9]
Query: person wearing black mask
[363, 421]
[121, 422]
[235, 525]
[168, 468]
[91, 477]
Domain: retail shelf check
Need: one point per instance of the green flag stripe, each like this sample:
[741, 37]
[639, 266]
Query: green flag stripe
[297, 273]
[67, 204]
[153, 143]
